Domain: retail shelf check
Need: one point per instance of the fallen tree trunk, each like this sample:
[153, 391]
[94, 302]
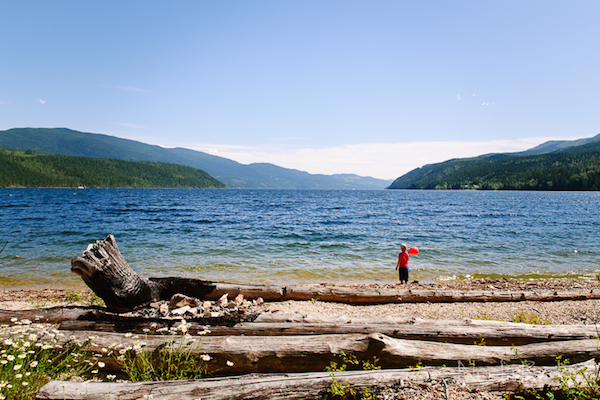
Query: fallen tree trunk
[506, 334]
[314, 385]
[51, 315]
[106, 272]
[314, 353]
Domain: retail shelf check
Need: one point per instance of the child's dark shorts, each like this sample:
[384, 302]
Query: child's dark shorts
[403, 273]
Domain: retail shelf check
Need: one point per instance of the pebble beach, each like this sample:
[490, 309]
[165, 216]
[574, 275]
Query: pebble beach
[556, 312]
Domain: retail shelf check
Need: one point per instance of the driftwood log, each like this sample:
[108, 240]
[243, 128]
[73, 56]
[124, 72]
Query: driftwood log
[465, 331]
[506, 334]
[106, 272]
[313, 353]
[314, 385]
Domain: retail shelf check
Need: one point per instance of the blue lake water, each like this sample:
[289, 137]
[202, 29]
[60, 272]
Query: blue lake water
[290, 236]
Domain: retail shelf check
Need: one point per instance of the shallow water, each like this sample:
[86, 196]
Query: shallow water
[288, 236]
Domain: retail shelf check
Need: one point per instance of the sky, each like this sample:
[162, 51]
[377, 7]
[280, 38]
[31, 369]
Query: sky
[373, 88]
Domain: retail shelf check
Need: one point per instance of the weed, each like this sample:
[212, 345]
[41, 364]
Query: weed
[573, 385]
[173, 360]
[525, 318]
[481, 341]
[343, 390]
[73, 297]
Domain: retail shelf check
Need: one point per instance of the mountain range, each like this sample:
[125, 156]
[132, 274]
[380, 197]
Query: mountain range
[554, 165]
[231, 173]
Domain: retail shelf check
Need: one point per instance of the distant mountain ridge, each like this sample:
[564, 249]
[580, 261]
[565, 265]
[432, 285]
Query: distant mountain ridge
[554, 165]
[231, 173]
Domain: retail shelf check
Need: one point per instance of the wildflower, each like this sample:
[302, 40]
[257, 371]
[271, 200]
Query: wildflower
[229, 363]
[110, 377]
[22, 356]
[18, 376]
[2, 397]
[94, 371]
[25, 383]
[128, 334]
[104, 350]
[17, 367]
[3, 362]
[14, 319]
[101, 364]
[145, 330]
[10, 357]
[33, 364]
[8, 342]
[205, 357]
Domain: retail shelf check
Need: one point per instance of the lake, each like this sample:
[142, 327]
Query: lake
[291, 236]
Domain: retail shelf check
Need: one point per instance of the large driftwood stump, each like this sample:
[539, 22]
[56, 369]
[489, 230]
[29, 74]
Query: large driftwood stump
[105, 271]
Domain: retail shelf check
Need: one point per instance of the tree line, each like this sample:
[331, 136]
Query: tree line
[565, 170]
[31, 169]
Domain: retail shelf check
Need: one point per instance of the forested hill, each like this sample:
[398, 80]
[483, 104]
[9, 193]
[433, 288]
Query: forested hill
[233, 174]
[31, 169]
[571, 168]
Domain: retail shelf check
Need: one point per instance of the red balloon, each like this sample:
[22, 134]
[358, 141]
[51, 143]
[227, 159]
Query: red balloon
[413, 250]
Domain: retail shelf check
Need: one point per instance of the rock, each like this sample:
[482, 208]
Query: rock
[239, 299]
[163, 309]
[180, 300]
[258, 301]
[232, 305]
[181, 310]
[222, 302]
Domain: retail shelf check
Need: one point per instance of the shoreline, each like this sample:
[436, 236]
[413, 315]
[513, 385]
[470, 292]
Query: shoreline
[570, 312]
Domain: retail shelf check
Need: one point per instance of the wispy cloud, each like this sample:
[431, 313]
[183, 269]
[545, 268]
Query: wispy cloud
[41, 101]
[128, 125]
[379, 160]
[458, 97]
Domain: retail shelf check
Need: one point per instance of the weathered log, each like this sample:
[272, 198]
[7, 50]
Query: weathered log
[352, 295]
[506, 334]
[314, 353]
[51, 315]
[314, 385]
[106, 272]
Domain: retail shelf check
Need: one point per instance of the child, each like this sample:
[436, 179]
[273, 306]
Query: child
[402, 265]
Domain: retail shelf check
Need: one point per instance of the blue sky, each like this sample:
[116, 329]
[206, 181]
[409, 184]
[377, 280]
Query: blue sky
[374, 88]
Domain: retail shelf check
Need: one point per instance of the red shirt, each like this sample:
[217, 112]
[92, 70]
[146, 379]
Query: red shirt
[403, 259]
